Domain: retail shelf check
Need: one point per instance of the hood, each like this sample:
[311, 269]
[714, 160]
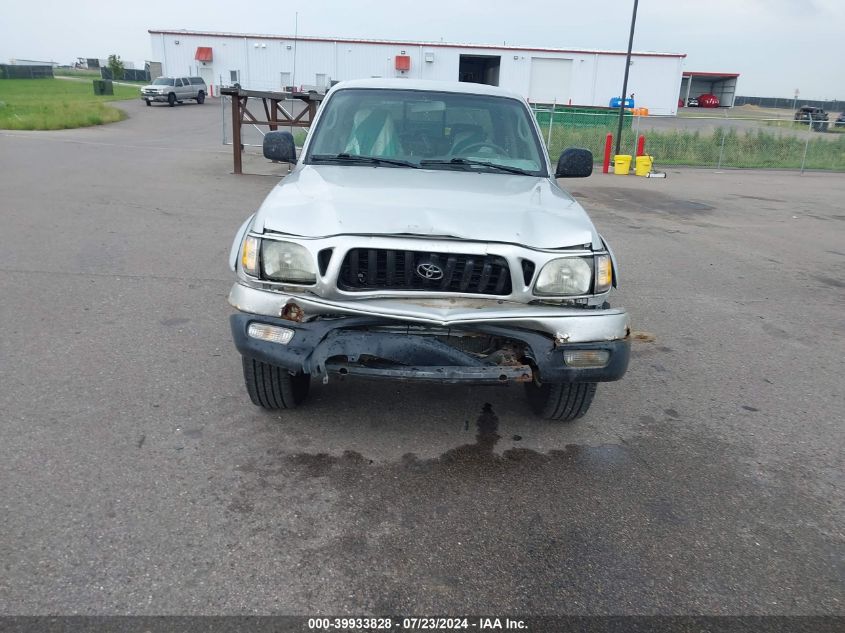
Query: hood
[326, 200]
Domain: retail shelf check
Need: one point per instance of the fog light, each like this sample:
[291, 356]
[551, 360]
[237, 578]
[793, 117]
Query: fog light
[270, 333]
[586, 357]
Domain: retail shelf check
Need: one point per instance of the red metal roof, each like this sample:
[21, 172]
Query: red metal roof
[203, 54]
[303, 38]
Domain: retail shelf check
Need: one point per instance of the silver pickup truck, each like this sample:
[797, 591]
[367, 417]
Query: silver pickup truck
[173, 90]
[422, 236]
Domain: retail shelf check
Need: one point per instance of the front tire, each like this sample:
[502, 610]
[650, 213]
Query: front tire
[201, 97]
[272, 387]
[171, 99]
[147, 101]
[560, 403]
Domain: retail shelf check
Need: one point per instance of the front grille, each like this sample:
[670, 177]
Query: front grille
[382, 269]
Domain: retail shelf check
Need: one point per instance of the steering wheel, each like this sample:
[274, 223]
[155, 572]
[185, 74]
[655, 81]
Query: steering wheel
[418, 143]
[497, 148]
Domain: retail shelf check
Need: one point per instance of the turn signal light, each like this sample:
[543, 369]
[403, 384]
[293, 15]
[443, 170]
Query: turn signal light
[604, 274]
[593, 358]
[249, 256]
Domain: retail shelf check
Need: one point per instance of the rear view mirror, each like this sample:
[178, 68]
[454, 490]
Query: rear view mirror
[279, 146]
[574, 162]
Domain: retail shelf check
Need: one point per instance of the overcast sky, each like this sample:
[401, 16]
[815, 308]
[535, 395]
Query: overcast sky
[776, 45]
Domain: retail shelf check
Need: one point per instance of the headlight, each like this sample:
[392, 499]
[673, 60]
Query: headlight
[567, 276]
[285, 261]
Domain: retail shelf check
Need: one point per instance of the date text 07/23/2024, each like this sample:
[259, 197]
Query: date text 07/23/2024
[416, 624]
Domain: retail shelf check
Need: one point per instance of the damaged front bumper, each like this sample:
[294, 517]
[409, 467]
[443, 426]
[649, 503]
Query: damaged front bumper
[366, 338]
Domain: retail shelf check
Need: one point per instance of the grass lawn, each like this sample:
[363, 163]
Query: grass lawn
[76, 72]
[57, 104]
[747, 148]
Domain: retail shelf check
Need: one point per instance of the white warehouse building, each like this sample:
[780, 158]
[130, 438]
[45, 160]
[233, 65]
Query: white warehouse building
[542, 75]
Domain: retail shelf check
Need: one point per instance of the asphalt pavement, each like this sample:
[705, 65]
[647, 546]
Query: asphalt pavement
[137, 478]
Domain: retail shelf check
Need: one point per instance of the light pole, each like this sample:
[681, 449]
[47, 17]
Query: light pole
[625, 81]
[295, 35]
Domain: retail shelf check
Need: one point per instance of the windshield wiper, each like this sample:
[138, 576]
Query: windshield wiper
[370, 160]
[468, 162]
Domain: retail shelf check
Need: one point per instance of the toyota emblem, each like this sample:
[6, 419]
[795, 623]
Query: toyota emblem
[430, 271]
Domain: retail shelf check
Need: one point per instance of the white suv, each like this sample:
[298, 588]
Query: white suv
[175, 90]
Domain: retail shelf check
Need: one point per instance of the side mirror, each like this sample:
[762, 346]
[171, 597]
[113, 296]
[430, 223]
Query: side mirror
[574, 162]
[279, 146]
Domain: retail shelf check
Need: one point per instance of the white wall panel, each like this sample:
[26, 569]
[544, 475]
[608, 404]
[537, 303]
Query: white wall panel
[593, 78]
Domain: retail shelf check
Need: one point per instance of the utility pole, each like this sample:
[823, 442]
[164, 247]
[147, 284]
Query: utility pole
[625, 81]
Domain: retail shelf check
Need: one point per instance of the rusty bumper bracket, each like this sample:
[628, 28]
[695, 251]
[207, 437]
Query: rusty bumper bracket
[493, 375]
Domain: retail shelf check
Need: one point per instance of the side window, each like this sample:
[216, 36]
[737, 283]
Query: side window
[186, 82]
[177, 83]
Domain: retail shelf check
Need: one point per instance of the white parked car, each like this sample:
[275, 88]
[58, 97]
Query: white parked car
[422, 235]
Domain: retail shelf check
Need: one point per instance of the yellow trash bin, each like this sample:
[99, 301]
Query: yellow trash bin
[621, 164]
[642, 166]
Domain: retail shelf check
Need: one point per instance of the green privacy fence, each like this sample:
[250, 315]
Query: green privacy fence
[14, 71]
[581, 117]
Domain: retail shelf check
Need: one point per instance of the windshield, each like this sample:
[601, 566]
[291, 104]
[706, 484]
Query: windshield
[433, 130]
[163, 81]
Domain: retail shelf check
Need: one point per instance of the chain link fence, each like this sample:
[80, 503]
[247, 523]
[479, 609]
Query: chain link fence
[790, 103]
[129, 74]
[703, 138]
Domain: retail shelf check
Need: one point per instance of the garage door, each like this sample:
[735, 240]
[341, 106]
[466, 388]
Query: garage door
[550, 80]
